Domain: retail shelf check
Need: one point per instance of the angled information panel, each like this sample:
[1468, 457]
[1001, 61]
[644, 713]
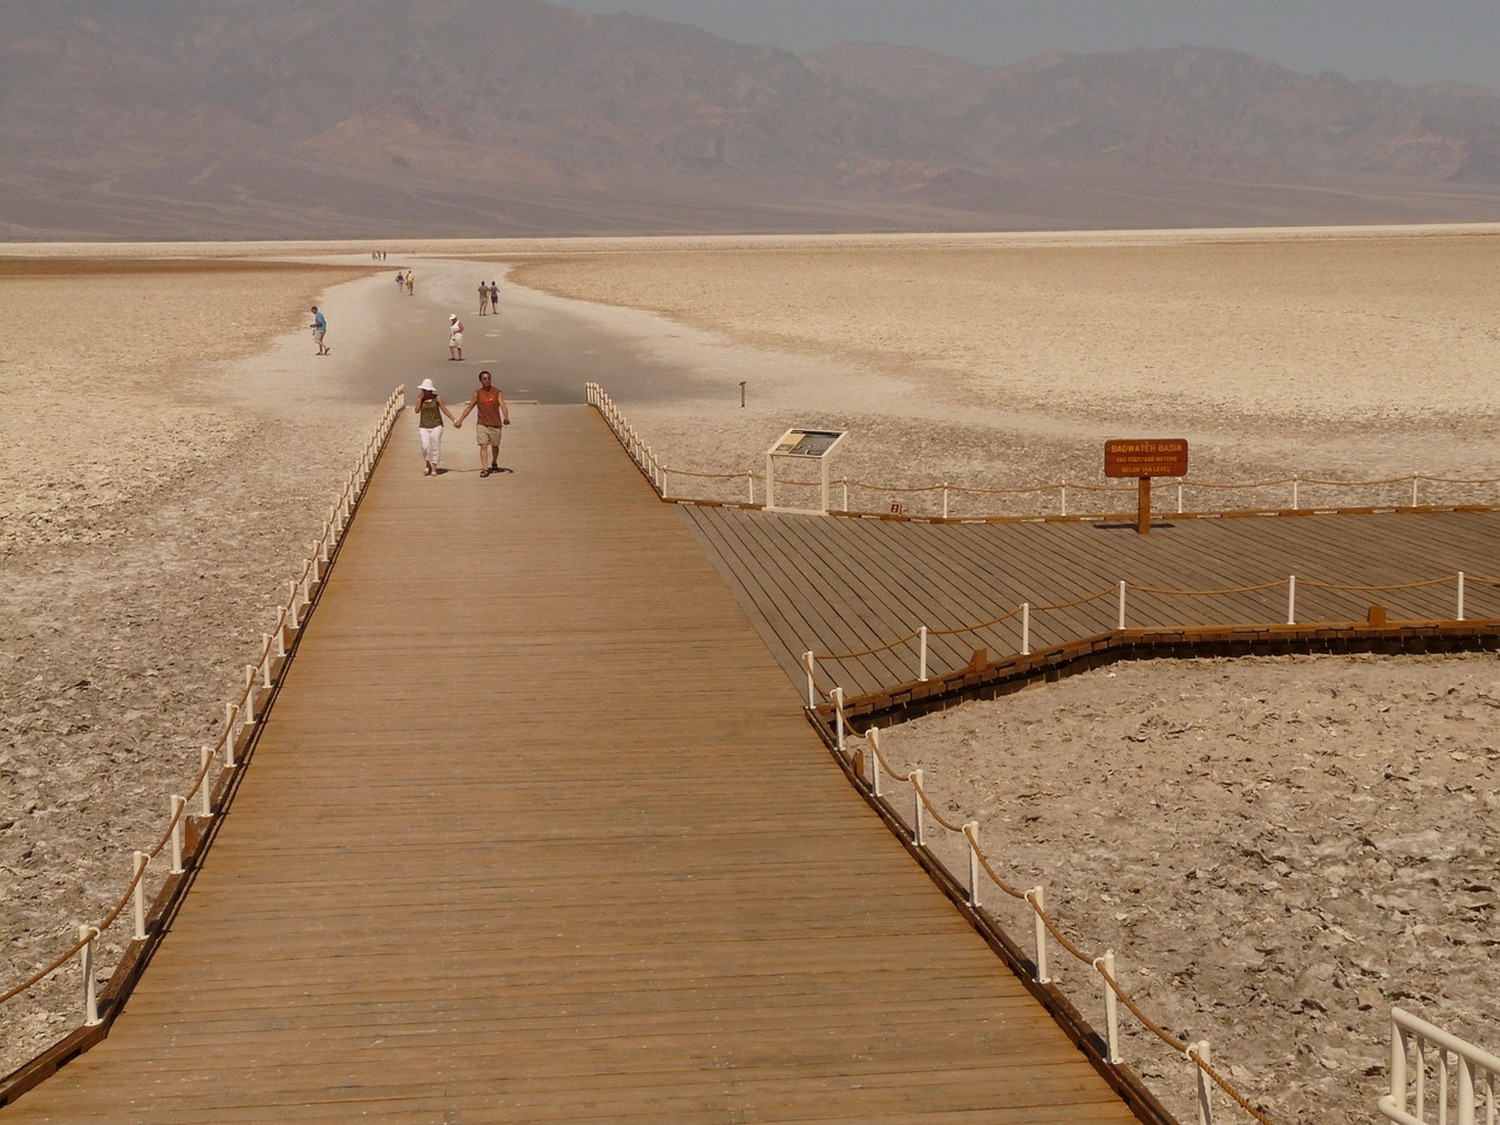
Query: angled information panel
[808, 445]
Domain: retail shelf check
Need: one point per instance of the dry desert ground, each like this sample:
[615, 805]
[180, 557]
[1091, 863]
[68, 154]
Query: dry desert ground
[1278, 850]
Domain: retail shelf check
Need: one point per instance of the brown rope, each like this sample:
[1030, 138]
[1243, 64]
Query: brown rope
[1208, 593]
[1370, 589]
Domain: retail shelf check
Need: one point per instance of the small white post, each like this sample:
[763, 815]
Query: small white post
[1414, 490]
[205, 804]
[945, 499]
[1111, 1007]
[845, 482]
[750, 478]
[873, 737]
[281, 634]
[1295, 504]
[249, 695]
[838, 719]
[87, 934]
[141, 860]
[922, 655]
[178, 803]
[1205, 1105]
[1025, 628]
[1120, 616]
[971, 833]
[1291, 599]
[1063, 490]
[1034, 896]
[1179, 498]
[265, 661]
[812, 691]
[918, 823]
[1460, 616]
[229, 714]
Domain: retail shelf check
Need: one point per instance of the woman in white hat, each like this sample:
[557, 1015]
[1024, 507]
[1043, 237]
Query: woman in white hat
[430, 409]
[455, 337]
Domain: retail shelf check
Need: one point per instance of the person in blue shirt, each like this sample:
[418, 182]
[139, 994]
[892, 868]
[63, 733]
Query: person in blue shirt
[320, 329]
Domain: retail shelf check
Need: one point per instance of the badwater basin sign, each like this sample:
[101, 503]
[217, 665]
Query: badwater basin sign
[806, 445]
[1144, 458]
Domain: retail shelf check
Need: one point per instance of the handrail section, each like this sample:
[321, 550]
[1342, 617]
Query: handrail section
[186, 832]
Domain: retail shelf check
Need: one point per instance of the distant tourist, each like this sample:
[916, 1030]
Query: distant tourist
[400, 280]
[320, 330]
[430, 410]
[494, 298]
[493, 414]
[411, 281]
[484, 298]
[455, 337]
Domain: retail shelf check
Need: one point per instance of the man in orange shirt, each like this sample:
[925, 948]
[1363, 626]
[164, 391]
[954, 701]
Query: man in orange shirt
[493, 414]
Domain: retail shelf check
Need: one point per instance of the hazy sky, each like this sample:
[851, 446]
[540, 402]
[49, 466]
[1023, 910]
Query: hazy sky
[1407, 41]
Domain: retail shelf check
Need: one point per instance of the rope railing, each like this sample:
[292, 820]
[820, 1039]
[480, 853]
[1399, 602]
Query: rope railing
[261, 678]
[1121, 590]
[1046, 926]
[945, 492]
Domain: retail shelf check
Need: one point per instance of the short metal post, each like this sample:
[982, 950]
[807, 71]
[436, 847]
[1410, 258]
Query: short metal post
[205, 804]
[812, 691]
[1034, 896]
[971, 833]
[1120, 617]
[922, 657]
[1291, 599]
[178, 804]
[87, 934]
[1025, 628]
[1460, 616]
[141, 860]
[1106, 966]
[873, 737]
[918, 822]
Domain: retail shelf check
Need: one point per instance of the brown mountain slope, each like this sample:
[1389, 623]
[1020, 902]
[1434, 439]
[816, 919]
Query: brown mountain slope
[383, 118]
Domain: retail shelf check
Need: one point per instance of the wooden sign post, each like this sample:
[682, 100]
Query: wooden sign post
[1144, 458]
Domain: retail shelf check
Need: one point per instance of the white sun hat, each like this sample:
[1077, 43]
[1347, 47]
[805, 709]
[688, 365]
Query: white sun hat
[426, 385]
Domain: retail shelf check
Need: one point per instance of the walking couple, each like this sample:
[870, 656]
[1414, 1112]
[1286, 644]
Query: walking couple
[493, 415]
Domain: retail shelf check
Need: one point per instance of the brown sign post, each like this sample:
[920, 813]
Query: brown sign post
[1144, 458]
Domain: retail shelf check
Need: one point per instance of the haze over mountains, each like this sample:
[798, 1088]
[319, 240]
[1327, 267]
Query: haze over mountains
[219, 119]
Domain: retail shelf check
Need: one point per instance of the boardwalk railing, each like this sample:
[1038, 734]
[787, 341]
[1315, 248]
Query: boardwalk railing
[869, 769]
[1464, 1078]
[1025, 614]
[945, 500]
[189, 824]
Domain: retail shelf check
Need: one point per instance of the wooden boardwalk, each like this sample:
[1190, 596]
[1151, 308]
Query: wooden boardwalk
[535, 832]
[837, 585]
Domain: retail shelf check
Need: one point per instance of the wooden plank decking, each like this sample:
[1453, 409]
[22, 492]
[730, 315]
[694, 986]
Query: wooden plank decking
[836, 585]
[535, 832]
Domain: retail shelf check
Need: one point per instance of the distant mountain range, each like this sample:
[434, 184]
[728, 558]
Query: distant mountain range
[199, 119]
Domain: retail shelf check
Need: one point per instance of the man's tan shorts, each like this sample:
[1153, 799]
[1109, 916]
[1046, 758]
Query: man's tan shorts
[488, 435]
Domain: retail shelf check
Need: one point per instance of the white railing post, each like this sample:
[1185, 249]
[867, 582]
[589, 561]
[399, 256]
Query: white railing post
[845, 483]
[1460, 616]
[812, 691]
[205, 806]
[922, 655]
[1291, 599]
[1295, 503]
[945, 499]
[249, 712]
[229, 714]
[1414, 479]
[178, 804]
[265, 661]
[1025, 628]
[1120, 617]
[1205, 1104]
[87, 934]
[872, 736]
[918, 822]
[141, 860]
[1063, 492]
[1179, 498]
[1106, 966]
[838, 719]
[971, 833]
[751, 478]
[1034, 896]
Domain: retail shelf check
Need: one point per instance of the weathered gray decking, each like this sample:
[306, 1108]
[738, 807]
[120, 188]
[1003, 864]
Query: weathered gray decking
[535, 832]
